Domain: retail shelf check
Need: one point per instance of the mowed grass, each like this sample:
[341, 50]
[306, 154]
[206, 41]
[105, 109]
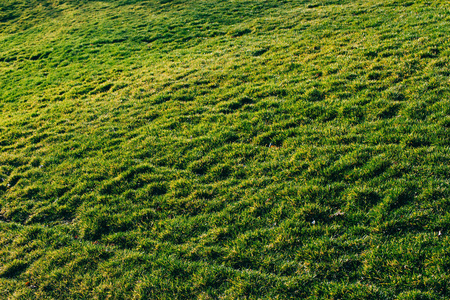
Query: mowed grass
[224, 149]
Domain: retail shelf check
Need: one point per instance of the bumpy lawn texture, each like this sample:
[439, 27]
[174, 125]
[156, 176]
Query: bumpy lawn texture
[224, 149]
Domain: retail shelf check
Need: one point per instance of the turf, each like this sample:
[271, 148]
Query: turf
[224, 149]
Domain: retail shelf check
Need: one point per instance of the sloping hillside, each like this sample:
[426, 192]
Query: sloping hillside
[224, 149]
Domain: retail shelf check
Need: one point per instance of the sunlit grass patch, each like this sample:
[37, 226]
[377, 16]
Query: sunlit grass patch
[226, 149]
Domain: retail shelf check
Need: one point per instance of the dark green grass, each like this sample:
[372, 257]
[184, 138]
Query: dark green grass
[224, 149]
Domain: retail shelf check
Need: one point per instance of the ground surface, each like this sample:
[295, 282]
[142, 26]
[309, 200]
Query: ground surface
[224, 149]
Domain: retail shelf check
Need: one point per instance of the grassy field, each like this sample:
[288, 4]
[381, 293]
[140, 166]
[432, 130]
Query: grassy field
[226, 149]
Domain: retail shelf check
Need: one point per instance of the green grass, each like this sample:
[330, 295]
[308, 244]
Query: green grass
[224, 149]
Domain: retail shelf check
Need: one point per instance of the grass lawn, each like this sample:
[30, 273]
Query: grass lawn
[227, 149]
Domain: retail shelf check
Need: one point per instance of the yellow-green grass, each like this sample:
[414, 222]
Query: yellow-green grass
[224, 149]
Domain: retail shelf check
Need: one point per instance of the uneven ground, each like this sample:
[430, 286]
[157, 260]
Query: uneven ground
[224, 149]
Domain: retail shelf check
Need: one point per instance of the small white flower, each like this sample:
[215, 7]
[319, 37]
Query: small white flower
[313, 222]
